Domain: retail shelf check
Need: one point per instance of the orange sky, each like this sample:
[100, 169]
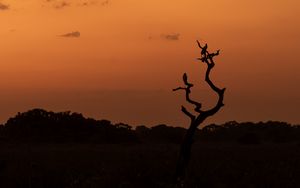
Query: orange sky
[123, 67]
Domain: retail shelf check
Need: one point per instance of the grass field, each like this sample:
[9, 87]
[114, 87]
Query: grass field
[148, 165]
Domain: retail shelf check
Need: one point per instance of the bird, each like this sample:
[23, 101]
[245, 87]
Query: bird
[204, 49]
[185, 77]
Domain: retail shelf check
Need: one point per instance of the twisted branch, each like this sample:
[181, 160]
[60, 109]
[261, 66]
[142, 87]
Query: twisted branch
[186, 112]
[208, 59]
[188, 98]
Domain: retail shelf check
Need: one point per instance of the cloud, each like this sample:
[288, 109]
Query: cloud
[87, 3]
[4, 6]
[104, 3]
[171, 36]
[94, 2]
[61, 5]
[74, 34]
[84, 4]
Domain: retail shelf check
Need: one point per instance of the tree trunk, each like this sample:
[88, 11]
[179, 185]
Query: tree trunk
[185, 153]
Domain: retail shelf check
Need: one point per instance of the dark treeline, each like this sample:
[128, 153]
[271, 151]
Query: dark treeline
[41, 126]
[251, 133]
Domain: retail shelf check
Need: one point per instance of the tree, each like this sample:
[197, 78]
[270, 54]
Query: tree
[201, 115]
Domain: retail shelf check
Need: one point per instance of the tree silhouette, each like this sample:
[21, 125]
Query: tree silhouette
[201, 115]
[41, 126]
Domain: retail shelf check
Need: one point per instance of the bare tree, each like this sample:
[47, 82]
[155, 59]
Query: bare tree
[199, 115]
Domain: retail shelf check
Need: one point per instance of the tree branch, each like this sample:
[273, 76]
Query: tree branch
[207, 58]
[179, 88]
[186, 112]
[187, 93]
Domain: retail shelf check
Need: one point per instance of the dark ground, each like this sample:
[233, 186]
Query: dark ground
[148, 165]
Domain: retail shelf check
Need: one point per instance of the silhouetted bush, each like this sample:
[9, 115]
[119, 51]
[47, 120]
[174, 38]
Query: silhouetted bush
[251, 133]
[142, 132]
[38, 125]
[164, 133]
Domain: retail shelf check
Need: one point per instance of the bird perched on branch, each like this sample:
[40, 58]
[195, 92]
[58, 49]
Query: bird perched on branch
[204, 49]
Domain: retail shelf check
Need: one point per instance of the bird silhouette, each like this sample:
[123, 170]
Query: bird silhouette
[204, 49]
[185, 78]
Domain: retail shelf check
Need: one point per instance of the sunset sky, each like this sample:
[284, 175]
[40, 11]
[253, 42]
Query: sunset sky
[120, 59]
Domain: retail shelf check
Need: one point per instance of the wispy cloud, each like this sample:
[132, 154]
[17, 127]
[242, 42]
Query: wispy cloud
[87, 3]
[171, 36]
[74, 34]
[3, 6]
[104, 3]
[61, 5]
[94, 2]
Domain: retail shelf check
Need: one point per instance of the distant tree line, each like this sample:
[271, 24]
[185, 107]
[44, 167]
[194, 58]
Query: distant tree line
[41, 126]
[251, 133]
